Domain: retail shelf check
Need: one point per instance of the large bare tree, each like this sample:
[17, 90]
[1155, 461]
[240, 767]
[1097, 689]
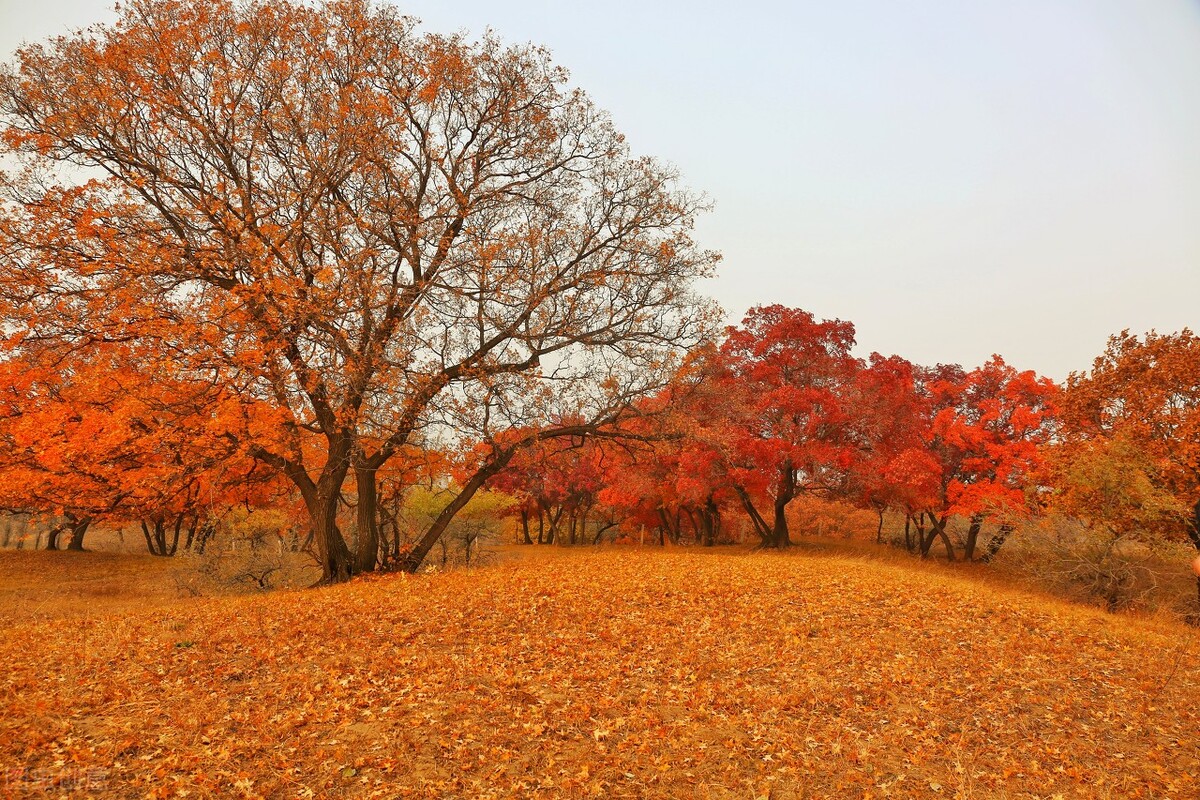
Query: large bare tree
[375, 229]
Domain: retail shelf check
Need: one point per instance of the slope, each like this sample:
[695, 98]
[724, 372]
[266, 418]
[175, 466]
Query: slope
[607, 674]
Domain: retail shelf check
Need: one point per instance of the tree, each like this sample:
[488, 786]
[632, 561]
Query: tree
[791, 375]
[555, 482]
[1137, 410]
[893, 470]
[375, 230]
[93, 437]
[987, 432]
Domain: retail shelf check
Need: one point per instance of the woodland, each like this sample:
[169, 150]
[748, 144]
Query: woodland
[309, 260]
[299, 289]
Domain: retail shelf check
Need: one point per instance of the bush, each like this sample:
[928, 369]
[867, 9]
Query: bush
[1117, 571]
[250, 551]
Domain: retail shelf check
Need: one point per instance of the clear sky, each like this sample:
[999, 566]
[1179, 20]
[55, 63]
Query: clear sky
[956, 178]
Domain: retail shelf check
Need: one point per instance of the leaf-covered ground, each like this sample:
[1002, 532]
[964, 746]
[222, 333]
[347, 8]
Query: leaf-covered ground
[610, 674]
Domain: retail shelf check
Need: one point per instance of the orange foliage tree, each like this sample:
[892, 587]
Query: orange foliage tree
[375, 230]
[99, 439]
[1132, 436]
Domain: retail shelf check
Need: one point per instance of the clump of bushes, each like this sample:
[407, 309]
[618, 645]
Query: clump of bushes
[250, 551]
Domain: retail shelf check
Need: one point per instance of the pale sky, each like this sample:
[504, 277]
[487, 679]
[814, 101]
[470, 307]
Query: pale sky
[957, 178]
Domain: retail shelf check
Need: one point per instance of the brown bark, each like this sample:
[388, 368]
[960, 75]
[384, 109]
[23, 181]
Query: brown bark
[996, 543]
[337, 564]
[937, 530]
[366, 555]
[760, 525]
[973, 536]
[79, 527]
[664, 526]
[52, 536]
[785, 491]
[156, 533]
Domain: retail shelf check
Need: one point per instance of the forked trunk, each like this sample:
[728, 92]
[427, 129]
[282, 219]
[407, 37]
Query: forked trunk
[525, 525]
[937, 530]
[78, 529]
[760, 525]
[786, 490]
[52, 536]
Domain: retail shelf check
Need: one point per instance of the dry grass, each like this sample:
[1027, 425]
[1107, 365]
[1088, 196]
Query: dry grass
[608, 674]
[40, 585]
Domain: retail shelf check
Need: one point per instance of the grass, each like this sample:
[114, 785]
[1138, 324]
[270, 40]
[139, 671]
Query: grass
[619, 673]
[37, 585]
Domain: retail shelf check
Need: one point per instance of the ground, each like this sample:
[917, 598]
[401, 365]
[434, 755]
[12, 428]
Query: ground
[619, 673]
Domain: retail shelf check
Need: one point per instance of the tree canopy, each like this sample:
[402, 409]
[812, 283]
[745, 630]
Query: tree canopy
[375, 230]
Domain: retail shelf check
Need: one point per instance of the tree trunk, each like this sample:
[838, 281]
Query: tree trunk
[150, 547]
[52, 536]
[996, 543]
[207, 529]
[420, 550]
[937, 530]
[78, 529]
[525, 525]
[553, 519]
[337, 564]
[691, 517]
[879, 530]
[600, 530]
[321, 499]
[1193, 531]
[927, 538]
[667, 531]
[760, 525]
[783, 495]
[175, 539]
[366, 555]
[973, 536]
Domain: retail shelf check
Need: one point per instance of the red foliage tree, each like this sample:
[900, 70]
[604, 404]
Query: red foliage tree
[792, 423]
